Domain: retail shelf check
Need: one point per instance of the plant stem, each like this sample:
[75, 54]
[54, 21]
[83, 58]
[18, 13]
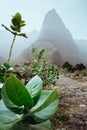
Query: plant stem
[10, 53]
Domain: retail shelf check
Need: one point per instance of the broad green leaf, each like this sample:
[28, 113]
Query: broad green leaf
[22, 34]
[13, 28]
[15, 25]
[23, 24]
[18, 16]
[15, 22]
[7, 119]
[32, 119]
[1, 85]
[0, 94]
[16, 19]
[34, 87]
[5, 127]
[47, 97]
[6, 116]
[46, 125]
[47, 112]
[2, 127]
[9, 104]
[26, 125]
[5, 66]
[17, 92]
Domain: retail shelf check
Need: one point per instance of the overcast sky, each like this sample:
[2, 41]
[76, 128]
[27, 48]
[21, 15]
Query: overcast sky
[72, 12]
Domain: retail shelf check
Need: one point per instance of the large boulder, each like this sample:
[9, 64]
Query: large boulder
[79, 67]
[68, 66]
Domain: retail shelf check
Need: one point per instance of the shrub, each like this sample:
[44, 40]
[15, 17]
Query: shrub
[39, 65]
[31, 106]
[81, 73]
[5, 71]
[63, 71]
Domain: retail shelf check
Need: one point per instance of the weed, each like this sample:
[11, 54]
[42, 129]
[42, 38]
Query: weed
[16, 24]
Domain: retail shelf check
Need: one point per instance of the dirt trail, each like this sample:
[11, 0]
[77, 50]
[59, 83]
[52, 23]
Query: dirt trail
[73, 102]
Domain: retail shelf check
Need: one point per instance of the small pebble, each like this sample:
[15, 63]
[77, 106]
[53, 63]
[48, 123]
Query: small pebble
[82, 105]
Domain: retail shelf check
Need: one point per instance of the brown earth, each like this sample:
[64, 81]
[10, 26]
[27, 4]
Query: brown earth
[72, 104]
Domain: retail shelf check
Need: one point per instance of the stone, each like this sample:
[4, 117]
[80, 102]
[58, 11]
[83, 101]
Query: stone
[79, 67]
[68, 66]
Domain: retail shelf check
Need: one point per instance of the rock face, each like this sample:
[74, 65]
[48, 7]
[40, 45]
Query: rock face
[79, 67]
[68, 66]
[56, 39]
[54, 30]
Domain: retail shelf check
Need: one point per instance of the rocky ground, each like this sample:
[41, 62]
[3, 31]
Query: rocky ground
[72, 103]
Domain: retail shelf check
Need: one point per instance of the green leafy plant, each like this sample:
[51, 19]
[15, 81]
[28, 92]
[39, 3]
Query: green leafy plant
[5, 71]
[31, 106]
[1, 84]
[16, 24]
[39, 65]
[59, 119]
[63, 71]
[81, 73]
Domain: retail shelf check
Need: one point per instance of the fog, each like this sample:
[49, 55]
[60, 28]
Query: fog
[53, 34]
[62, 28]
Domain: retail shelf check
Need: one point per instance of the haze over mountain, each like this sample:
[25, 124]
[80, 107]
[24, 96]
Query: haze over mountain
[54, 37]
[2, 60]
[82, 45]
[57, 40]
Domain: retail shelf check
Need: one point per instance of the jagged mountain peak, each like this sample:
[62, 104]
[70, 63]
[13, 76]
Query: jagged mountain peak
[52, 17]
[52, 11]
[53, 24]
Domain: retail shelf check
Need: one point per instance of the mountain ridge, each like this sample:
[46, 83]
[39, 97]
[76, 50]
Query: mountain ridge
[55, 34]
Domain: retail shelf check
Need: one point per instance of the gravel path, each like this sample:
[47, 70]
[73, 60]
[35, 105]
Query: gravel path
[73, 102]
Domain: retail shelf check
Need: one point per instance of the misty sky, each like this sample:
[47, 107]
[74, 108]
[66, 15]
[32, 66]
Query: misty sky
[72, 12]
